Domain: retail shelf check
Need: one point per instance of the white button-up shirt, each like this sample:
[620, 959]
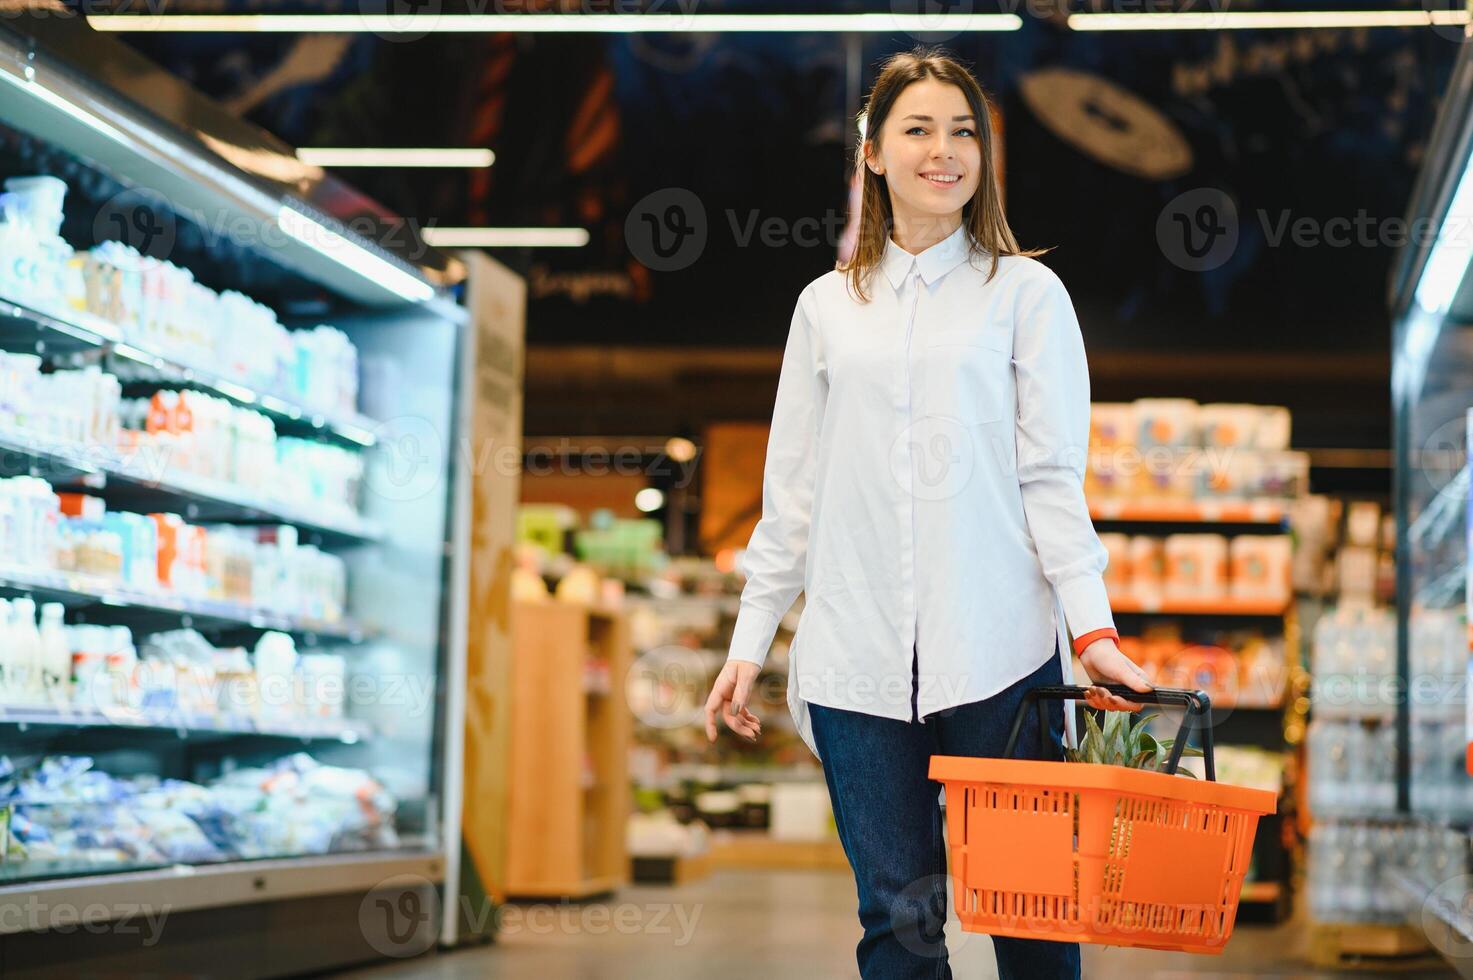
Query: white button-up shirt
[923, 488]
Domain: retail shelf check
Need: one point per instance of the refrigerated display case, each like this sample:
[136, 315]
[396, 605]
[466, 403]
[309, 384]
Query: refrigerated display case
[1432, 393]
[231, 507]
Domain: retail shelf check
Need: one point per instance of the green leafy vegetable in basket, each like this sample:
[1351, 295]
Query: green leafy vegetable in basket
[1126, 743]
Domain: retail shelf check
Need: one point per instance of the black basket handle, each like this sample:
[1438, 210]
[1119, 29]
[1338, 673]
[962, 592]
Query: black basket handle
[1198, 715]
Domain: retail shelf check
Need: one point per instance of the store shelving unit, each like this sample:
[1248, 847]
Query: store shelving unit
[1269, 512]
[1277, 723]
[1431, 305]
[87, 109]
[147, 485]
[568, 774]
[77, 591]
[185, 724]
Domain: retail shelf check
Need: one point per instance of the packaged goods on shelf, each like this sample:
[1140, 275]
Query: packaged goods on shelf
[29, 514]
[326, 475]
[64, 808]
[1351, 864]
[34, 259]
[262, 566]
[1174, 449]
[160, 308]
[173, 433]
[1353, 661]
[545, 525]
[1242, 668]
[1352, 768]
[1260, 566]
[1352, 742]
[1198, 567]
[325, 370]
[660, 834]
[1242, 765]
[625, 548]
[63, 408]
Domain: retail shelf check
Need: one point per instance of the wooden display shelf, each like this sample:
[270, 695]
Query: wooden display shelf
[1226, 606]
[565, 838]
[756, 849]
[669, 870]
[1370, 947]
[1189, 511]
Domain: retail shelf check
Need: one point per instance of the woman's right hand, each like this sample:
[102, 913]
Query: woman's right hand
[730, 695]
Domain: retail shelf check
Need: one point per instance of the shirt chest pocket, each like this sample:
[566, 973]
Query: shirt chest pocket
[969, 373]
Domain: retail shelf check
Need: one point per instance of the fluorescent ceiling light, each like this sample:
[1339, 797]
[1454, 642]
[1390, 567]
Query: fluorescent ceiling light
[554, 23]
[369, 156]
[346, 253]
[1245, 20]
[506, 237]
[1447, 263]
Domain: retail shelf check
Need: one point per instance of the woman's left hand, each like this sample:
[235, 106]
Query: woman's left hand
[1105, 664]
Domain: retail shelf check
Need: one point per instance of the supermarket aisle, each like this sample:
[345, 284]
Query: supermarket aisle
[770, 926]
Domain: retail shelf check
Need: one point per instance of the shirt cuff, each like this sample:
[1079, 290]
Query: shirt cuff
[1080, 642]
[1086, 604]
[752, 635]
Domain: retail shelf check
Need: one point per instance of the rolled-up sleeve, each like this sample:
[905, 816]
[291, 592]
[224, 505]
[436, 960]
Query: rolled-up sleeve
[1053, 449]
[774, 560]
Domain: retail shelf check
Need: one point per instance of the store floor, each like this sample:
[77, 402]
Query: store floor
[773, 925]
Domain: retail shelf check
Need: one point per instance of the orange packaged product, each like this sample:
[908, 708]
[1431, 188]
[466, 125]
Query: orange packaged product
[81, 505]
[1204, 668]
[168, 527]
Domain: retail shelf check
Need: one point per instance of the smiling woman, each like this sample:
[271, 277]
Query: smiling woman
[923, 487]
[928, 151]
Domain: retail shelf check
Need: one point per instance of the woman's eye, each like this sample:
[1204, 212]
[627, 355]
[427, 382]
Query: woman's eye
[965, 132]
[915, 129]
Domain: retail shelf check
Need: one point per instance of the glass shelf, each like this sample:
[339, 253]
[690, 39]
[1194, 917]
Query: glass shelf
[131, 484]
[75, 590]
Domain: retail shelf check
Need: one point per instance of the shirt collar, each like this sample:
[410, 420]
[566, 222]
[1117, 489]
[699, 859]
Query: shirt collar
[934, 261]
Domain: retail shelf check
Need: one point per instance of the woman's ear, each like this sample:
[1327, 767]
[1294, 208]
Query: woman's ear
[871, 158]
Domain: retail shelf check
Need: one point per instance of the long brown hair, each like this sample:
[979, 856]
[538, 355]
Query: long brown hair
[982, 215]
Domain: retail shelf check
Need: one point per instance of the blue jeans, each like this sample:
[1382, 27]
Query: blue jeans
[889, 821]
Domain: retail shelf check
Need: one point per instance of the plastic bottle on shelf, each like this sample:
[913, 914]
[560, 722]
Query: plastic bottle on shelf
[122, 661]
[276, 665]
[56, 658]
[1385, 900]
[1318, 750]
[1360, 880]
[24, 677]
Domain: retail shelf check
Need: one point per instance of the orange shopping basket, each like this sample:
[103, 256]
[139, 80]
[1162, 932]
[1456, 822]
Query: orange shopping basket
[1082, 852]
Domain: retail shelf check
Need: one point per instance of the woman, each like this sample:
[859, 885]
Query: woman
[923, 487]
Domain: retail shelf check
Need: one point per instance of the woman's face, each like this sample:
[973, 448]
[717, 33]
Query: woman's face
[929, 153]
